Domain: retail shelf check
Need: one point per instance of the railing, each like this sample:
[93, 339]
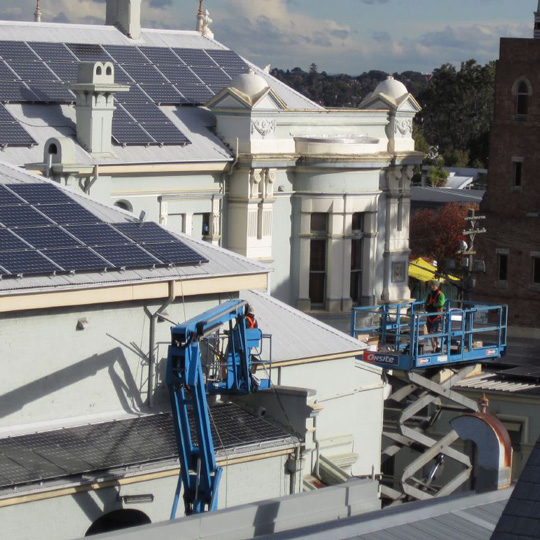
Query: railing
[467, 331]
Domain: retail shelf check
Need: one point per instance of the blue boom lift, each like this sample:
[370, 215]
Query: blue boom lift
[424, 382]
[232, 352]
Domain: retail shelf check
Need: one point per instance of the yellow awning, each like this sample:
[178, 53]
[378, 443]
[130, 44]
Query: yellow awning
[424, 271]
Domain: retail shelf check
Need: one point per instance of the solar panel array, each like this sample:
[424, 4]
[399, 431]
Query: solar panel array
[44, 231]
[36, 72]
[74, 451]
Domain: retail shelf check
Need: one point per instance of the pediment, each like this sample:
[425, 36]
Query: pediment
[231, 98]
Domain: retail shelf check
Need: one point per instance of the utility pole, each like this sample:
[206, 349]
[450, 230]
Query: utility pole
[473, 222]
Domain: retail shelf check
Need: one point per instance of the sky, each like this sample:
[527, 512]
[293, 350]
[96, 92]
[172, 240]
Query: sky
[339, 36]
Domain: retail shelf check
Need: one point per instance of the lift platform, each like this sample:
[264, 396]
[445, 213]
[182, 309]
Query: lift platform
[469, 333]
[422, 382]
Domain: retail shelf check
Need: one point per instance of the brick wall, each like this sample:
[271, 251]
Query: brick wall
[513, 138]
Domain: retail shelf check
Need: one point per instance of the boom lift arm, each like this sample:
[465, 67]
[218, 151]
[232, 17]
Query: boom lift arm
[189, 384]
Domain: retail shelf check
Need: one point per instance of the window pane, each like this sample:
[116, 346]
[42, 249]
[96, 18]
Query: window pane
[503, 267]
[356, 254]
[358, 222]
[522, 103]
[536, 269]
[316, 288]
[319, 222]
[317, 260]
[517, 173]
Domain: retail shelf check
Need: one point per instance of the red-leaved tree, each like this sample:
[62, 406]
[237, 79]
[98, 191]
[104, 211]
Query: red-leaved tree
[437, 234]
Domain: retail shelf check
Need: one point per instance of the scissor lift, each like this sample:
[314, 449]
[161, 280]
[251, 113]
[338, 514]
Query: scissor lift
[422, 380]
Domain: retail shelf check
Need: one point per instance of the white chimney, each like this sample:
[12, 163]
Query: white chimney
[95, 89]
[126, 16]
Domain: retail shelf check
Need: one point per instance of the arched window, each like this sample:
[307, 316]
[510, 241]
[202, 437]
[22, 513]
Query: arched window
[125, 205]
[118, 519]
[522, 93]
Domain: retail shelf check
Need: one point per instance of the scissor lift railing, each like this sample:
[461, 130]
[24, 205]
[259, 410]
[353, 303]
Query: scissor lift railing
[469, 334]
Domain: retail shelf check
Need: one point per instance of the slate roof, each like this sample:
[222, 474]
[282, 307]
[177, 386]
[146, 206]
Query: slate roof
[66, 454]
[521, 517]
[220, 261]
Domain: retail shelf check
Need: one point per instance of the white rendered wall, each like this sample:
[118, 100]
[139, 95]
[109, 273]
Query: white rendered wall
[69, 517]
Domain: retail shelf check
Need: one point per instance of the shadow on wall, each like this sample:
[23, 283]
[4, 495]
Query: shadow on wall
[122, 379]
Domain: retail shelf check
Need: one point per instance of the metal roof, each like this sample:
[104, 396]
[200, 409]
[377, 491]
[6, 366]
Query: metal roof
[68, 453]
[300, 336]
[221, 262]
[521, 517]
[470, 516]
[445, 195]
[44, 121]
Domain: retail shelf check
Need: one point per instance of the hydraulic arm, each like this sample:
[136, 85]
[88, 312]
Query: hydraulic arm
[232, 356]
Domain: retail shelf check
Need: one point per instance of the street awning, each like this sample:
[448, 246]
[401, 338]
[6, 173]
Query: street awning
[423, 270]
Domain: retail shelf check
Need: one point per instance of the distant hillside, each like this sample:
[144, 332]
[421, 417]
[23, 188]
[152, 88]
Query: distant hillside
[457, 104]
[344, 90]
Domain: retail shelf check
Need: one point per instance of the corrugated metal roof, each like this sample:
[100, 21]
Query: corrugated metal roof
[221, 262]
[300, 336]
[497, 382]
[44, 121]
[444, 195]
[470, 516]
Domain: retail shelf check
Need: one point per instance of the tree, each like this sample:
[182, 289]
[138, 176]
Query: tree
[457, 110]
[437, 174]
[437, 233]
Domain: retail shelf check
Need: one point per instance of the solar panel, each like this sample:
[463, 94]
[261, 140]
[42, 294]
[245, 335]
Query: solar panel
[68, 214]
[5, 73]
[160, 55]
[15, 135]
[77, 259]
[127, 256]
[135, 94]
[52, 52]
[226, 58]
[181, 75]
[32, 71]
[16, 50]
[196, 94]
[121, 77]
[194, 57]
[235, 70]
[130, 134]
[9, 241]
[41, 193]
[177, 253]
[26, 262]
[47, 237]
[22, 216]
[125, 55]
[165, 94]
[212, 75]
[146, 232]
[49, 91]
[121, 116]
[87, 52]
[16, 91]
[67, 72]
[166, 133]
[145, 112]
[7, 198]
[97, 235]
[144, 73]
